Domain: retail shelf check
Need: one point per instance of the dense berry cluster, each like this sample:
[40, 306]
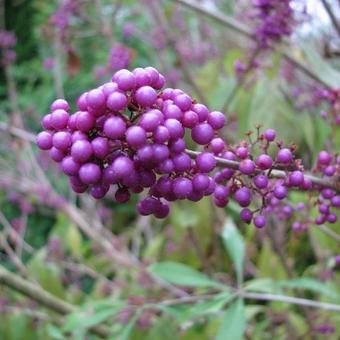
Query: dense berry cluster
[131, 134]
[7, 43]
[274, 21]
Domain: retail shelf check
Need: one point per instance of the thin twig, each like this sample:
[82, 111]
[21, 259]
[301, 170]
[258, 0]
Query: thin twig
[220, 161]
[226, 163]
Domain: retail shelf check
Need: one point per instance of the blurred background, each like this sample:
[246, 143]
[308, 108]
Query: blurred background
[280, 72]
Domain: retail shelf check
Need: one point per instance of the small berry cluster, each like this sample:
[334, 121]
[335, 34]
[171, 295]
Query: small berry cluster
[330, 167]
[126, 134]
[252, 180]
[274, 21]
[7, 43]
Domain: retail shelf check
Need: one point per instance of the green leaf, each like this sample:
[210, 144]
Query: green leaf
[263, 285]
[320, 67]
[309, 284]
[187, 312]
[275, 287]
[54, 332]
[94, 315]
[233, 323]
[47, 274]
[181, 274]
[74, 240]
[235, 246]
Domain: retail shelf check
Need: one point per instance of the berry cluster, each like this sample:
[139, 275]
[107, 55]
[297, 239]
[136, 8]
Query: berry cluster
[7, 43]
[127, 135]
[274, 21]
[328, 200]
[130, 134]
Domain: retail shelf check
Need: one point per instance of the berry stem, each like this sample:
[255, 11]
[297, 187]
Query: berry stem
[274, 173]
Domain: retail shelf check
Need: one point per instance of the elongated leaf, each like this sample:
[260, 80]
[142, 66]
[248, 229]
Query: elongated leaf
[187, 312]
[234, 244]
[181, 274]
[234, 322]
[272, 286]
[84, 319]
[310, 284]
[263, 285]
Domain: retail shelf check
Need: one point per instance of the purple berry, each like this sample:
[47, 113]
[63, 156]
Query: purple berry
[122, 195]
[100, 147]
[216, 119]
[261, 181]
[89, 173]
[202, 112]
[200, 182]
[280, 192]
[202, 133]
[324, 158]
[125, 80]
[44, 140]
[269, 135]
[296, 178]
[259, 221]
[59, 119]
[62, 140]
[70, 166]
[205, 162]
[81, 151]
[183, 101]
[60, 104]
[284, 156]
[96, 99]
[135, 136]
[242, 152]
[182, 162]
[116, 101]
[246, 215]
[247, 166]
[146, 96]
[264, 162]
[182, 187]
[85, 121]
[114, 127]
[243, 197]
